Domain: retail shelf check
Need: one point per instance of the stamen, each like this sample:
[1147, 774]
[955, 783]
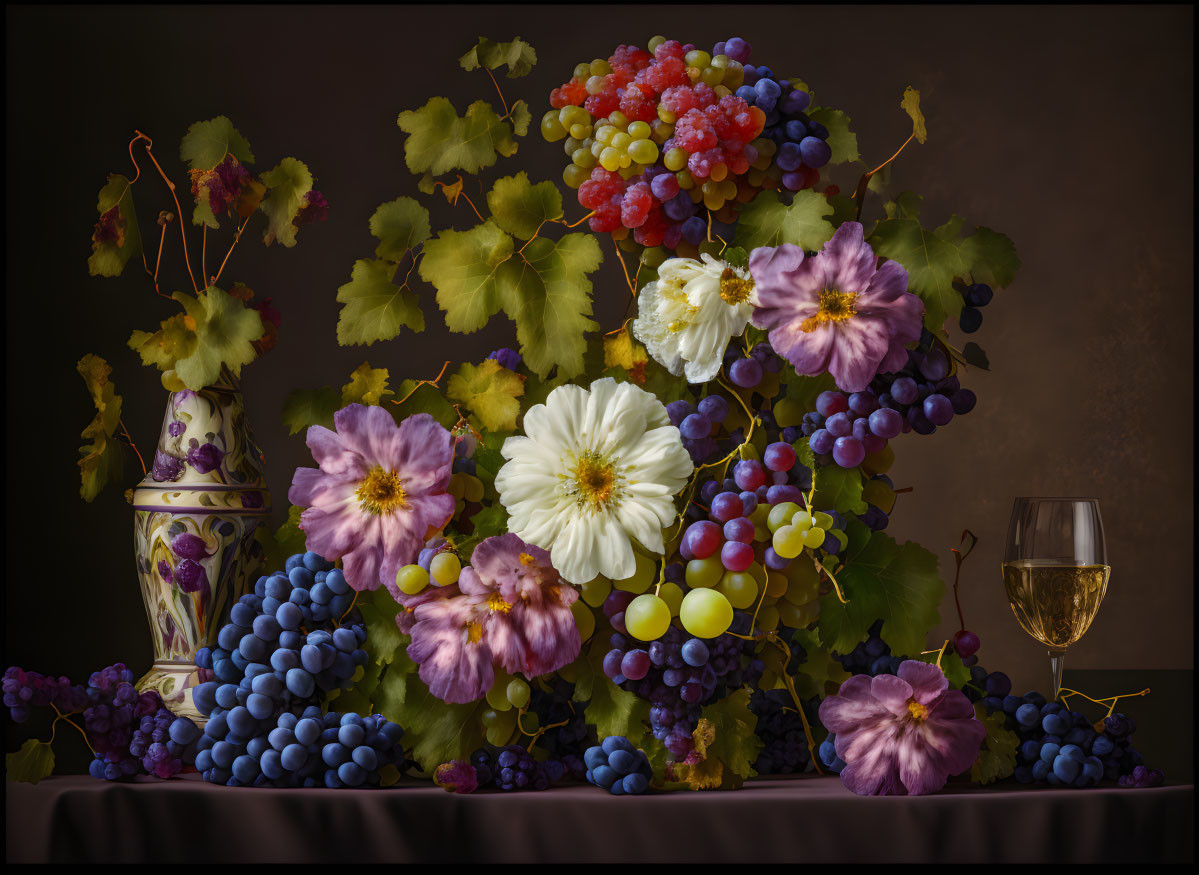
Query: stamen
[918, 711]
[381, 492]
[834, 307]
[733, 289]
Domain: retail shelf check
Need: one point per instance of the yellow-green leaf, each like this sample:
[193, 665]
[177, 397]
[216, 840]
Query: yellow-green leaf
[518, 56]
[440, 141]
[286, 184]
[931, 261]
[489, 391]
[400, 225]
[734, 743]
[997, 755]
[306, 407]
[841, 139]
[116, 237]
[206, 144]
[521, 208]
[464, 267]
[225, 332]
[911, 105]
[423, 398]
[162, 348]
[34, 761]
[375, 309]
[990, 257]
[521, 117]
[101, 461]
[766, 221]
[367, 386]
[621, 351]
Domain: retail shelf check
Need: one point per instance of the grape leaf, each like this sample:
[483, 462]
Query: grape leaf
[518, 56]
[766, 221]
[206, 144]
[990, 257]
[401, 225]
[225, 332]
[34, 761]
[931, 263]
[171, 342]
[384, 641]
[736, 256]
[464, 267]
[521, 208]
[423, 399]
[906, 205]
[489, 391]
[438, 731]
[839, 488]
[286, 185]
[735, 743]
[440, 141]
[116, 237]
[375, 309]
[621, 351]
[367, 386]
[997, 756]
[521, 117]
[975, 356]
[911, 105]
[305, 407]
[101, 461]
[819, 674]
[488, 522]
[898, 584]
[841, 139]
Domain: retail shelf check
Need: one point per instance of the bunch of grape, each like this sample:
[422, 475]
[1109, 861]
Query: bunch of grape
[121, 724]
[1062, 747]
[849, 428]
[618, 767]
[554, 706]
[512, 767]
[976, 296]
[784, 741]
[265, 726]
[923, 392]
[657, 138]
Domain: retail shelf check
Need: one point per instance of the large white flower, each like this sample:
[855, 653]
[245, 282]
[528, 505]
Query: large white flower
[686, 316]
[597, 468]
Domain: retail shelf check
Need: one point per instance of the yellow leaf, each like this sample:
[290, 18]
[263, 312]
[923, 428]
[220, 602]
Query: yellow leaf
[620, 350]
[490, 391]
[452, 191]
[367, 386]
[911, 105]
[175, 340]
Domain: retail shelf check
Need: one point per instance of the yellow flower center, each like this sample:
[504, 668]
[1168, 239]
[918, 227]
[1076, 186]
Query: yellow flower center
[733, 289]
[381, 492]
[526, 559]
[918, 711]
[474, 632]
[495, 602]
[834, 307]
[596, 482]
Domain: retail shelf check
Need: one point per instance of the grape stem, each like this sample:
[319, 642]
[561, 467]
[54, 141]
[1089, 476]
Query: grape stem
[129, 440]
[632, 283]
[66, 719]
[350, 608]
[778, 642]
[507, 111]
[237, 237]
[939, 653]
[178, 209]
[1064, 693]
[520, 713]
[420, 383]
[959, 557]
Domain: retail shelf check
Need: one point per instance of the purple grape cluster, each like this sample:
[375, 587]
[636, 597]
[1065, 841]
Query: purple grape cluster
[846, 429]
[618, 767]
[513, 768]
[784, 741]
[975, 296]
[160, 755]
[747, 371]
[1061, 747]
[24, 690]
[923, 392]
[554, 706]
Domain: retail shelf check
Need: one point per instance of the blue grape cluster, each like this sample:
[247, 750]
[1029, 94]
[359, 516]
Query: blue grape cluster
[678, 673]
[976, 296]
[513, 768]
[265, 726]
[872, 656]
[924, 393]
[618, 767]
[784, 741]
[1061, 747]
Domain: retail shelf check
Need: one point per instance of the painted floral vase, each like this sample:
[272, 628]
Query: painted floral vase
[195, 518]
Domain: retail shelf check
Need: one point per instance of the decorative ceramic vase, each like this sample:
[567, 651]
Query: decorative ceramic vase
[195, 518]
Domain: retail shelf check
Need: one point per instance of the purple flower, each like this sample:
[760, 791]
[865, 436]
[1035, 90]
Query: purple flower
[379, 492]
[511, 609]
[837, 311]
[188, 546]
[205, 458]
[457, 776]
[166, 467]
[902, 734]
[190, 576]
[508, 358]
[176, 428]
[164, 571]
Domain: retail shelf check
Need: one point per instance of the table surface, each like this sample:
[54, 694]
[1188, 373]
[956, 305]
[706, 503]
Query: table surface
[795, 819]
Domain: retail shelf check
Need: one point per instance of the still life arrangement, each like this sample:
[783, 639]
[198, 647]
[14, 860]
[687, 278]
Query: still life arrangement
[649, 556]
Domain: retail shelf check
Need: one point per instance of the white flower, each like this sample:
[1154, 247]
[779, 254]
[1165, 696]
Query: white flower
[597, 468]
[686, 316]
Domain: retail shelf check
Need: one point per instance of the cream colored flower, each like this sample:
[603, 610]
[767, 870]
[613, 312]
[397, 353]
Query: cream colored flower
[686, 316]
[596, 469]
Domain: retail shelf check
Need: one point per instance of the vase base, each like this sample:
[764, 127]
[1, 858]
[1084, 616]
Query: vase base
[174, 682]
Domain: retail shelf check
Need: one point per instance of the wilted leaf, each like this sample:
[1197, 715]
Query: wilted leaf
[489, 391]
[286, 185]
[116, 237]
[367, 386]
[911, 105]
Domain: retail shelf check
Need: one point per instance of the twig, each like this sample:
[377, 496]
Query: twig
[221, 270]
[132, 445]
[420, 383]
[178, 209]
[507, 111]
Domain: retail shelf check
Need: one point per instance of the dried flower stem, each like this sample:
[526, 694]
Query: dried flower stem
[178, 209]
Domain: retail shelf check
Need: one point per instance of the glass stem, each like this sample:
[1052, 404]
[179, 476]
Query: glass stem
[1057, 660]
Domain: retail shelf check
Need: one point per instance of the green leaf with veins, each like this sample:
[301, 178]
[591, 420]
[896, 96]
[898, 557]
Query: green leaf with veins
[521, 117]
[375, 309]
[489, 391]
[736, 745]
[206, 144]
[464, 267]
[437, 731]
[839, 488]
[423, 399]
[997, 755]
[306, 407]
[841, 139]
[162, 348]
[931, 263]
[518, 56]
[990, 257]
[116, 238]
[612, 710]
[881, 579]
[521, 208]
[440, 141]
[401, 225]
[34, 761]
[225, 331]
[766, 221]
[286, 185]
[906, 205]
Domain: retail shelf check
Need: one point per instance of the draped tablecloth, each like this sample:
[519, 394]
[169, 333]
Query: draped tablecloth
[809, 819]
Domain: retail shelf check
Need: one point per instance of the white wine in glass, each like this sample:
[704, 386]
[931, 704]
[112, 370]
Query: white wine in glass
[1055, 571]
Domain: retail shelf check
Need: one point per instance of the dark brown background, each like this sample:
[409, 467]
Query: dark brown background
[1068, 128]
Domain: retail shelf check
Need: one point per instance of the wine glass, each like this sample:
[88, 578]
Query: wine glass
[1055, 571]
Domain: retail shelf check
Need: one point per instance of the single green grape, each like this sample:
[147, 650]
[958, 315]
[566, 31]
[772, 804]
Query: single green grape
[780, 514]
[643, 151]
[444, 569]
[672, 594]
[739, 588]
[518, 692]
[497, 695]
[411, 579]
[787, 541]
[706, 613]
[647, 617]
[813, 538]
[704, 573]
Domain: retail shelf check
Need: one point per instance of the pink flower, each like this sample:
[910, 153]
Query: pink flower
[457, 776]
[379, 492]
[902, 734]
[837, 311]
[510, 608]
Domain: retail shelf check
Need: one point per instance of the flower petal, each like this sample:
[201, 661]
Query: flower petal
[893, 693]
[851, 706]
[927, 680]
[847, 260]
